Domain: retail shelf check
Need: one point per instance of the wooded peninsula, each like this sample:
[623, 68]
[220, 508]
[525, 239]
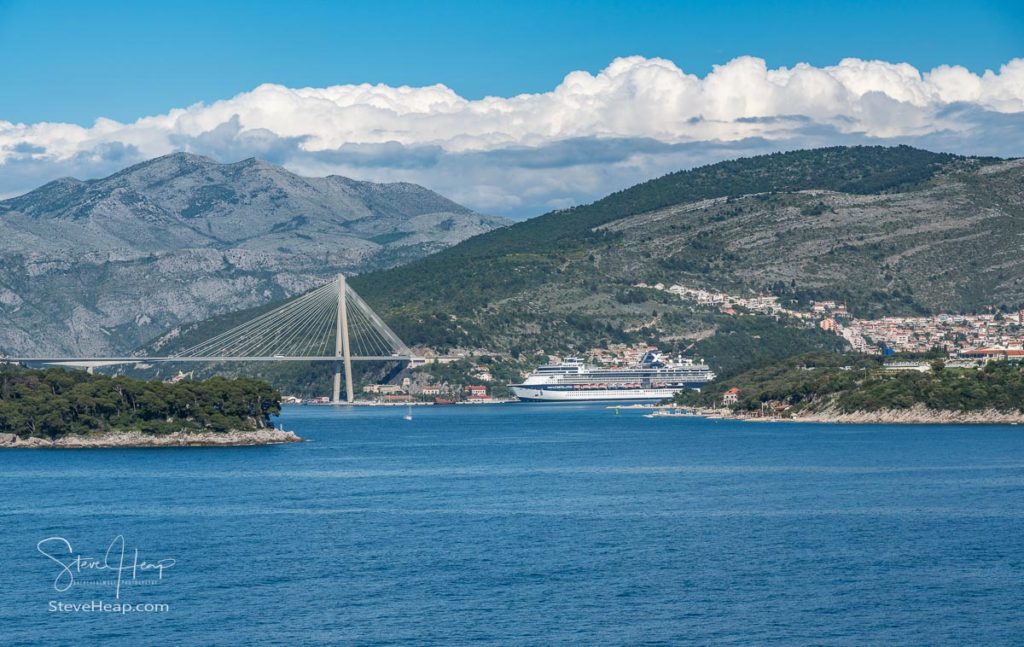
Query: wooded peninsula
[838, 387]
[61, 408]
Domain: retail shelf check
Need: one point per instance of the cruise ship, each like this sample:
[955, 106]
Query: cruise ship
[573, 380]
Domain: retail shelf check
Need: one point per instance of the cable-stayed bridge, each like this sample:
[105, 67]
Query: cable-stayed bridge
[331, 323]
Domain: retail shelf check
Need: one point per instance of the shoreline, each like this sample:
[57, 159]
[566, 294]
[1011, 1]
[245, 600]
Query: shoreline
[132, 439]
[916, 415]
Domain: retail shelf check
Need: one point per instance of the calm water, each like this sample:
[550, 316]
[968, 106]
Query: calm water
[531, 524]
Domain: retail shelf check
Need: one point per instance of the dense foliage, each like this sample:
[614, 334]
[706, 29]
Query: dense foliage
[998, 386]
[853, 383]
[52, 403]
[794, 380]
[743, 343]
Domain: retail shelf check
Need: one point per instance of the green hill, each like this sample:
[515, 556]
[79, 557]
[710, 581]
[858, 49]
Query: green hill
[887, 230]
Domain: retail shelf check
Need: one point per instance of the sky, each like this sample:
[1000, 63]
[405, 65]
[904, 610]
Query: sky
[510, 108]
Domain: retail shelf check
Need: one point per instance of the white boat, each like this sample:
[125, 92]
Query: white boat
[670, 413]
[574, 381]
[408, 413]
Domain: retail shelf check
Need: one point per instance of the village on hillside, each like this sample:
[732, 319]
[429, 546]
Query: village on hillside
[986, 336]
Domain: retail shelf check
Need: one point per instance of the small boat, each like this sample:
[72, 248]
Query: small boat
[669, 413]
[408, 413]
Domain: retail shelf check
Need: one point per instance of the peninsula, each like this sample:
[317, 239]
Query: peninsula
[852, 388]
[58, 408]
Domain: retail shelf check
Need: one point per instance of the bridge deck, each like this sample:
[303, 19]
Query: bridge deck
[149, 360]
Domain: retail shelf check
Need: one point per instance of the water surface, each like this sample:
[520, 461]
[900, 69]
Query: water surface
[532, 524]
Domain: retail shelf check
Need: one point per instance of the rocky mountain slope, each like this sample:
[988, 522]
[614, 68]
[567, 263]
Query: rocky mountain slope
[885, 229]
[951, 244]
[888, 230]
[100, 266]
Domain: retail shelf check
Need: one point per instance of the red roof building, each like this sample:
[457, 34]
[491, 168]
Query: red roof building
[1015, 354]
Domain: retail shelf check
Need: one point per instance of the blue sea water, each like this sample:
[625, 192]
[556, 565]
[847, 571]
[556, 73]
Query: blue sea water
[529, 524]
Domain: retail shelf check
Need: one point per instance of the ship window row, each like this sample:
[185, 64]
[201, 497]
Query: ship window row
[607, 376]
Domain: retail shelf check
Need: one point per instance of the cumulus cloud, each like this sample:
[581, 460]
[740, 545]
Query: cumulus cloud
[521, 155]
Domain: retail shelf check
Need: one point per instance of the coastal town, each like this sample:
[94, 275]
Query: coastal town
[965, 339]
[983, 336]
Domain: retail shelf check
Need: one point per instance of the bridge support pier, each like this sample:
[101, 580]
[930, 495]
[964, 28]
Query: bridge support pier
[341, 348]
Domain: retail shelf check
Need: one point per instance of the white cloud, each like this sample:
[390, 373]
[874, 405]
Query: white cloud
[523, 154]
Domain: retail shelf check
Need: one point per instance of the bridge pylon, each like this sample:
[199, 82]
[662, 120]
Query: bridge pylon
[341, 348]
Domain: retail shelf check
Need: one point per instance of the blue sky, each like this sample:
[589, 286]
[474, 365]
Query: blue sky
[513, 108]
[76, 61]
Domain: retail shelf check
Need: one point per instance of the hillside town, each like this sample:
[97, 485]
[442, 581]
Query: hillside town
[985, 336]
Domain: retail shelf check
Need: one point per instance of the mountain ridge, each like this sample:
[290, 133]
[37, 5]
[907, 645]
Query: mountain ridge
[889, 230]
[566, 281]
[96, 266]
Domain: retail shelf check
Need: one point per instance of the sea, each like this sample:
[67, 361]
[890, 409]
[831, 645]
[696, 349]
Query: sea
[522, 524]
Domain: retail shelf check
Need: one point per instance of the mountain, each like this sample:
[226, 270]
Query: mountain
[888, 230]
[96, 267]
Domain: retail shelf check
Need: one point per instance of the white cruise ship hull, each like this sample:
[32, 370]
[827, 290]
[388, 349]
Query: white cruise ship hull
[574, 381]
[538, 393]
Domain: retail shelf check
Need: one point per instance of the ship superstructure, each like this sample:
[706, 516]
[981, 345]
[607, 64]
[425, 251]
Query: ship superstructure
[572, 379]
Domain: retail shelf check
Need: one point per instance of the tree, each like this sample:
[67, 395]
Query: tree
[54, 403]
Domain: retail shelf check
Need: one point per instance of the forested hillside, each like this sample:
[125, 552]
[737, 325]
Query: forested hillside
[885, 230]
[889, 230]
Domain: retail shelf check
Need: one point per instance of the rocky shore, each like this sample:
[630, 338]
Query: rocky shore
[918, 414]
[139, 439]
